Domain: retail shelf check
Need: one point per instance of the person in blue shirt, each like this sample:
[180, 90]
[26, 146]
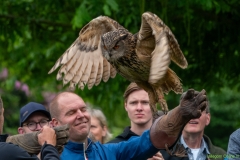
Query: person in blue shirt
[69, 108]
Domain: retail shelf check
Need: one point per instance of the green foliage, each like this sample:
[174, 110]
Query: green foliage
[224, 107]
[34, 33]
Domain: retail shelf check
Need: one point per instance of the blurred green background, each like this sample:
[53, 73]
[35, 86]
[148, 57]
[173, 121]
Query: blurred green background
[34, 33]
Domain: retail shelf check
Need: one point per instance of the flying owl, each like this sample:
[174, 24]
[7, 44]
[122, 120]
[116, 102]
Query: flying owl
[105, 48]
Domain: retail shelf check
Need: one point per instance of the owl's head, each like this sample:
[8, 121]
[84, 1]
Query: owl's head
[113, 45]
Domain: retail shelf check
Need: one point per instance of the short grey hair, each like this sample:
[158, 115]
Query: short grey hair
[97, 113]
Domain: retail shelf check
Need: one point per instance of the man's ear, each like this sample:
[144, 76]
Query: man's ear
[54, 122]
[208, 119]
[50, 124]
[125, 106]
[20, 130]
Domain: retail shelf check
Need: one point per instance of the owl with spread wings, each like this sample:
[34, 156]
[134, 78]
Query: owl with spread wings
[105, 48]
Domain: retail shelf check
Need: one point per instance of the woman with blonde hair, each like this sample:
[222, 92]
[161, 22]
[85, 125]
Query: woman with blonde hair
[99, 130]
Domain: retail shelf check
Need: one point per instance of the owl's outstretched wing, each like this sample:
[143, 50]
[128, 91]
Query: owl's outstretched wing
[165, 48]
[82, 63]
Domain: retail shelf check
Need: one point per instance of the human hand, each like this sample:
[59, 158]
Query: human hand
[157, 156]
[48, 135]
[193, 103]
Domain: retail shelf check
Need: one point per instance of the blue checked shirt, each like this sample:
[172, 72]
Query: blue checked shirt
[203, 151]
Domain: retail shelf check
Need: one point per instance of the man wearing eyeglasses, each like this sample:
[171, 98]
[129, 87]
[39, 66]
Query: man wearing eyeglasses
[33, 116]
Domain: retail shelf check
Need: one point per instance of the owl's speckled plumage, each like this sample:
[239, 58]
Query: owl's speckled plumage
[105, 48]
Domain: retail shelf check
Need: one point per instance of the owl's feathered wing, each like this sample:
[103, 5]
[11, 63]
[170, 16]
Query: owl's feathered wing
[155, 35]
[82, 63]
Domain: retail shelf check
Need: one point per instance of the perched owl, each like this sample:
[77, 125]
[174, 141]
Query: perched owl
[105, 48]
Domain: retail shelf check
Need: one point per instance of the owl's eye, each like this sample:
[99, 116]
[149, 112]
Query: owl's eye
[116, 47]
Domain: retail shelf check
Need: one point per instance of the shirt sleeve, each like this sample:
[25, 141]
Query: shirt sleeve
[135, 148]
[49, 152]
[3, 137]
[11, 151]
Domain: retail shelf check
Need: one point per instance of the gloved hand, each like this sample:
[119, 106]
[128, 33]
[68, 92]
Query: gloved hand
[192, 103]
[30, 143]
[62, 134]
[167, 128]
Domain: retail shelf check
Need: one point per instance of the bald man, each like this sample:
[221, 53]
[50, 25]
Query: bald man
[69, 108]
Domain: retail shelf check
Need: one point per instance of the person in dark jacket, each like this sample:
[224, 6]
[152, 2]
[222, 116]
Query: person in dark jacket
[195, 145]
[47, 139]
[33, 116]
[69, 108]
[136, 103]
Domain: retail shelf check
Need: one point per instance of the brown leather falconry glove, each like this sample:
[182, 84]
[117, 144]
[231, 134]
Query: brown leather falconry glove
[29, 141]
[166, 129]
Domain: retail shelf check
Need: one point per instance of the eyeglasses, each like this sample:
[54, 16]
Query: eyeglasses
[33, 125]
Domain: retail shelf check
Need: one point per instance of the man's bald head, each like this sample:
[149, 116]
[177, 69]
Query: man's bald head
[69, 108]
[54, 105]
